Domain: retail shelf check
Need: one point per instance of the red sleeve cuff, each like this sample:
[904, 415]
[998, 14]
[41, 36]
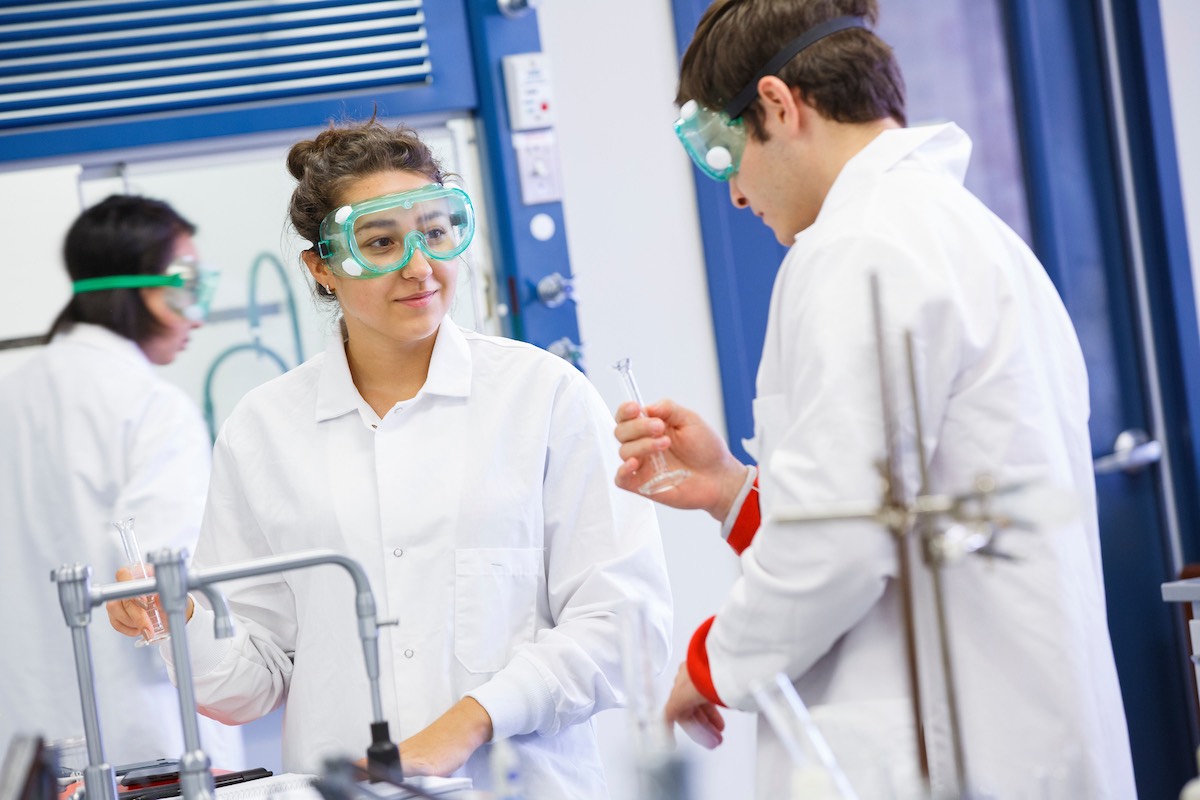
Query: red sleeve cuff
[747, 523]
[697, 662]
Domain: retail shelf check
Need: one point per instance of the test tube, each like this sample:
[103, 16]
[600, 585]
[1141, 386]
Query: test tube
[663, 773]
[133, 557]
[649, 730]
[660, 477]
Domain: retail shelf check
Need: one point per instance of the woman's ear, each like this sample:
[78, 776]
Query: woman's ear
[318, 268]
[155, 301]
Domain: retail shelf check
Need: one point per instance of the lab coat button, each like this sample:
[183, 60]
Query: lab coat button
[408, 654]
[399, 551]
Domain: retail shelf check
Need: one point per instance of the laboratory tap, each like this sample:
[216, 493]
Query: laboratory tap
[172, 580]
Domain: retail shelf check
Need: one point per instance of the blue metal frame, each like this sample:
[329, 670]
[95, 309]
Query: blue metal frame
[71, 59]
[453, 89]
[191, 69]
[1160, 203]
[186, 19]
[184, 34]
[1066, 129]
[525, 260]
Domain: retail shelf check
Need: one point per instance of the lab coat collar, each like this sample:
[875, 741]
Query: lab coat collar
[450, 366]
[102, 338]
[449, 373]
[944, 149]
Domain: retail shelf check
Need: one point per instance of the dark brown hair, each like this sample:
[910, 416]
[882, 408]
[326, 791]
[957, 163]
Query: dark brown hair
[121, 235]
[850, 76]
[339, 155]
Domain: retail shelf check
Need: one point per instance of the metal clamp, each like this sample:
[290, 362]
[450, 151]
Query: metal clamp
[554, 290]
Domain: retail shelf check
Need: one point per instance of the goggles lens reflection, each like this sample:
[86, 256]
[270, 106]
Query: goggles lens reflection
[193, 290]
[380, 235]
[714, 142]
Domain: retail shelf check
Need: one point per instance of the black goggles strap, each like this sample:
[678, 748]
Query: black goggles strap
[735, 107]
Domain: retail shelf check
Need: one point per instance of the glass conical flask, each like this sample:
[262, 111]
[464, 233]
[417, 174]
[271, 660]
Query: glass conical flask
[660, 477]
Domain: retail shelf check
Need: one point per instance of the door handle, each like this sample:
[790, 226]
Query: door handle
[1133, 451]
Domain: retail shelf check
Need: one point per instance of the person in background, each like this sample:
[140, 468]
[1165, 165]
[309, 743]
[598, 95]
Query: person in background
[800, 107]
[91, 435]
[468, 474]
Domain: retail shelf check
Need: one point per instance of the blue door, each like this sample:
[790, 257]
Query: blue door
[1107, 222]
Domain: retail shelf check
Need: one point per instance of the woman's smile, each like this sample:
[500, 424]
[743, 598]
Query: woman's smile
[418, 299]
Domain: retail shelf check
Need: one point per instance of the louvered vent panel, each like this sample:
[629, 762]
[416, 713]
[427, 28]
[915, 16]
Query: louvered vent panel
[93, 61]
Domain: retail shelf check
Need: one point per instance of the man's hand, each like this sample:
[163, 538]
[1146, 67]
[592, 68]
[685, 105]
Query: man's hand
[447, 743]
[685, 441]
[700, 719]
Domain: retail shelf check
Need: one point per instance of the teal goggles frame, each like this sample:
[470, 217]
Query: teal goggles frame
[190, 288]
[715, 140]
[340, 248]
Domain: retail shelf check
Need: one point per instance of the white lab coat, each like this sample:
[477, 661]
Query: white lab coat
[90, 435]
[484, 512]
[1003, 391]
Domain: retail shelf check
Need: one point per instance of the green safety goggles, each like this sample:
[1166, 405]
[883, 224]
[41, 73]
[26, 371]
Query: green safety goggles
[380, 235]
[715, 140]
[189, 287]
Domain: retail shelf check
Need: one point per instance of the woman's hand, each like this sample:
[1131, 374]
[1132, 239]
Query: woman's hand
[129, 616]
[685, 440]
[447, 743]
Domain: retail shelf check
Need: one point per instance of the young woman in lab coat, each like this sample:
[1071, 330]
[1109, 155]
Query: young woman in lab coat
[468, 474]
[91, 435]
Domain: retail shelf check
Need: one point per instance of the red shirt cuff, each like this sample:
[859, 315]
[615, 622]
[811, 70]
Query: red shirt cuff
[747, 523]
[697, 662]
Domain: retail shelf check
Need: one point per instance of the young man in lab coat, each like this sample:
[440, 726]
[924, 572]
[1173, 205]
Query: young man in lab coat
[799, 106]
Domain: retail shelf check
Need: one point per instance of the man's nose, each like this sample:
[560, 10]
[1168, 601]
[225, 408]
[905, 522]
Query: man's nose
[736, 197]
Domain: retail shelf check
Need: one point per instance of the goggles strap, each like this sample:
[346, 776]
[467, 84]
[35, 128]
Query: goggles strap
[125, 282]
[737, 106]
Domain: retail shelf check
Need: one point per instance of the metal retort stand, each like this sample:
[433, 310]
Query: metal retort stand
[172, 580]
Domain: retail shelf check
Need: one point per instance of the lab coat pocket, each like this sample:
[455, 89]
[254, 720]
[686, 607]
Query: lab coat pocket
[495, 602]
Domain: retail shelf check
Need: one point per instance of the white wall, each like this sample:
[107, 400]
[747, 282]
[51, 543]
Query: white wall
[1181, 32]
[634, 239]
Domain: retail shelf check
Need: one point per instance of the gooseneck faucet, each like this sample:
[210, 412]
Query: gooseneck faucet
[172, 580]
